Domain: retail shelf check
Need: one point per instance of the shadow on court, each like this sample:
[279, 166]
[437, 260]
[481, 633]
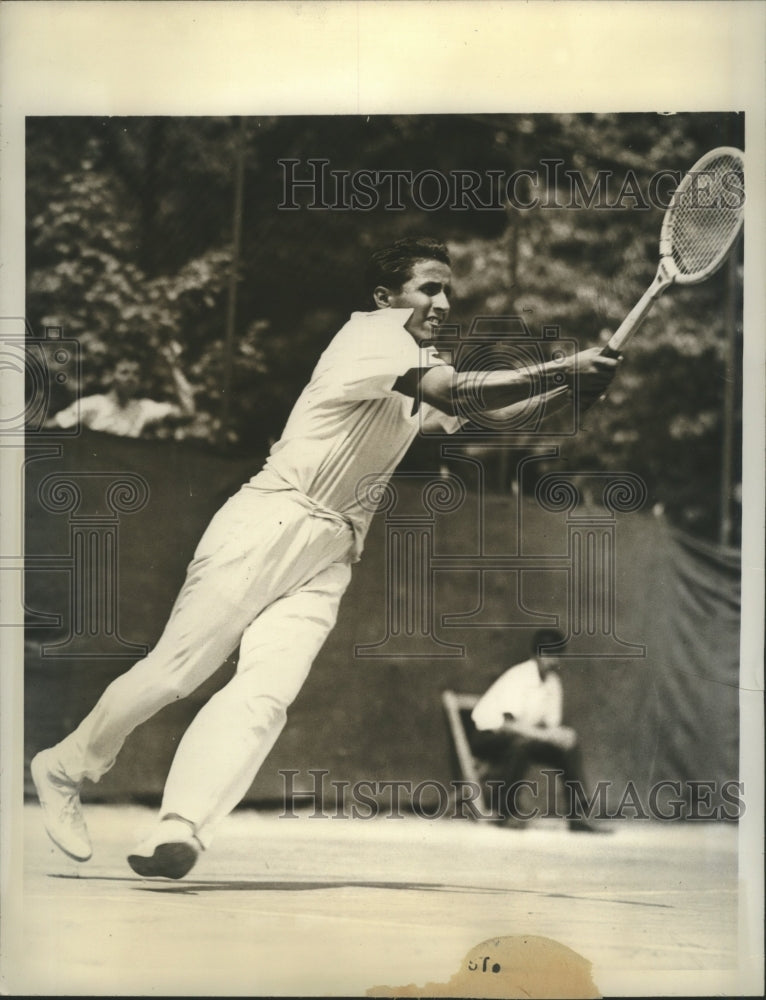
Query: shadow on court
[191, 886]
[301, 907]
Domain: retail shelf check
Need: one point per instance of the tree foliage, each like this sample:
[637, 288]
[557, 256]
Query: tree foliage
[129, 244]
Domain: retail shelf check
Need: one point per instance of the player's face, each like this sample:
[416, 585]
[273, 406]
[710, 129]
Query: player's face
[427, 293]
[126, 378]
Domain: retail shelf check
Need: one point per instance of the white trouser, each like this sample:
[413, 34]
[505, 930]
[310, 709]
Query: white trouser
[268, 574]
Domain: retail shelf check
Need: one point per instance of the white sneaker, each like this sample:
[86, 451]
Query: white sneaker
[62, 810]
[170, 851]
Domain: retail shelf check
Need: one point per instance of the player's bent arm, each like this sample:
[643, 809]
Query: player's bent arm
[551, 402]
[185, 408]
[185, 394]
[470, 392]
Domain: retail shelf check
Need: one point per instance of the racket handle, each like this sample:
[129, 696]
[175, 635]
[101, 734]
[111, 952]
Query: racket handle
[609, 352]
[632, 321]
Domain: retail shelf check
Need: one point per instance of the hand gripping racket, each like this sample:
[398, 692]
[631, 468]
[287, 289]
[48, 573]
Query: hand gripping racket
[698, 231]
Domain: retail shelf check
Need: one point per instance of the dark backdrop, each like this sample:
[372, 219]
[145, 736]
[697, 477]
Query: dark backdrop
[671, 715]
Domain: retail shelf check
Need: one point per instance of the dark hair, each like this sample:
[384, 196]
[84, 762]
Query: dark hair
[547, 637]
[391, 266]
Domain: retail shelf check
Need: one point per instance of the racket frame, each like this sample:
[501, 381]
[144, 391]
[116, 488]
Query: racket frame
[668, 272]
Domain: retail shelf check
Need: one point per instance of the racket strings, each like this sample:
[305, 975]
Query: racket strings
[707, 214]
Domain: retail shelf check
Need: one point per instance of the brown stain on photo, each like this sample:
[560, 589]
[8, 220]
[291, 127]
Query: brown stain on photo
[523, 966]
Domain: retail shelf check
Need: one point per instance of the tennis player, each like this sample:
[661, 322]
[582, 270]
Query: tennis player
[272, 566]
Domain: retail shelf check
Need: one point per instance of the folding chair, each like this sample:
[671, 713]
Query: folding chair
[458, 708]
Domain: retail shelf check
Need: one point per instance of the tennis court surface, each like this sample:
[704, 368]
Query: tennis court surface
[309, 906]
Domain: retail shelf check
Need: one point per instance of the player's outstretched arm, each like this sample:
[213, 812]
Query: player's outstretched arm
[549, 402]
[479, 391]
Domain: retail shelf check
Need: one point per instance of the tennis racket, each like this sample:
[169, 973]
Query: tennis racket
[698, 231]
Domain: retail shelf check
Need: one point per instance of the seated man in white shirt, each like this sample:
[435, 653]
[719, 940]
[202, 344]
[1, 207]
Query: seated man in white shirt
[518, 721]
[121, 410]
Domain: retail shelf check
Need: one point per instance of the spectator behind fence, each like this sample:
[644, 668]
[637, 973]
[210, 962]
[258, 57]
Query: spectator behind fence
[518, 721]
[120, 410]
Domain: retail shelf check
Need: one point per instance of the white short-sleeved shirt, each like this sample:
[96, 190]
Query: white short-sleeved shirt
[104, 413]
[521, 692]
[349, 423]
